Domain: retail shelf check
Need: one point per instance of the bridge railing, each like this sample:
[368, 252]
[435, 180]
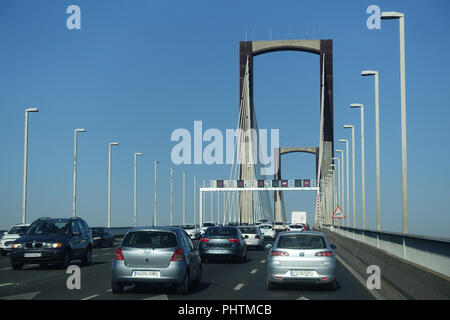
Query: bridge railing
[430, 252]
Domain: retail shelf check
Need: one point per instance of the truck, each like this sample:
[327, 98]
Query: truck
[298, 217]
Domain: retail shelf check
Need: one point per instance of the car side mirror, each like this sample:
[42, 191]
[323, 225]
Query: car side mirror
[268, 246]
[333, 246]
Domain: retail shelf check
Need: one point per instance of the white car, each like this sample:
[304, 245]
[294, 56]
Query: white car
[296, 227]
[192, 231]
[206, 225]
[10, 236]
[267, 230]
[254, 237]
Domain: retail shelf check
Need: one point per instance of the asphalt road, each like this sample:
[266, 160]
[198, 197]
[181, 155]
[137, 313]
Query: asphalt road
[220, 281]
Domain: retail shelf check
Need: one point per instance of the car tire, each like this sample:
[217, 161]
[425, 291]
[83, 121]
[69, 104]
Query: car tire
[66, 260]
[271, 285]
[87, 257]
[116, 287]
[183, 288]
[17, 266]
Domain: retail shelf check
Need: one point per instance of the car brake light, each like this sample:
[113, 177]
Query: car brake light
[204, 239]
[118, 254]
[234, 240]
[178, 255]
[279, 253]
[325, 254]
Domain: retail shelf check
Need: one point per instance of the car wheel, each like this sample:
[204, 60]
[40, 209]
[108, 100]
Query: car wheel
[65, 261]
[17, 266]
[270, 285]
[87, 258]
[183, 288]
[116, 287]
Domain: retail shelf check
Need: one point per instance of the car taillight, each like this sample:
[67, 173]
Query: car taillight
[118, 254]
[325, 254]
[204, 239]
[178, 255]
[279, 253]
[234, 240]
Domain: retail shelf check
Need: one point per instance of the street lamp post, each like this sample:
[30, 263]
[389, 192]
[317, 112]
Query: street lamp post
[353, 171]
[342, 181]
[184, 197]
[377, 141]
[156, 200]
[74, 205]
[363, 167]
[25, 166]
[348, 184]
[401, 20]
[171, 196]
[135, 186]
[109, 181]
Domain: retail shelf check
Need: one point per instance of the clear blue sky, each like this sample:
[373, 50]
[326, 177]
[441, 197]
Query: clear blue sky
[137, 70]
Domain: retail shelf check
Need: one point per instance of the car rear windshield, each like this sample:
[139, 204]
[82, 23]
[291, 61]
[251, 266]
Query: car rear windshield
[301, 242]
[248, 230]
[50, 227]
[221, 232]
[150, 239]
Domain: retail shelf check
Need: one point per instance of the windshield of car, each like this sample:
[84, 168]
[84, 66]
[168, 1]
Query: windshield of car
[248, 230]
[295, 226]
[50, 227]
[17, 230]
[278, 223]
[221, 231]
[265, 226]
[301, 242]
[188, 226]
[150, 239]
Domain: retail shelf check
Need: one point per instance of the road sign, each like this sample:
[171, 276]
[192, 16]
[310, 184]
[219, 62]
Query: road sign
[338, 213]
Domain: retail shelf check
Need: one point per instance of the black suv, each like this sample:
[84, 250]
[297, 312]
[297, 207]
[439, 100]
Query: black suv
[53, 240]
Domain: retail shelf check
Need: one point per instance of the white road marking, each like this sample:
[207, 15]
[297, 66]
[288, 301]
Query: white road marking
[109, 290]
[263, 261]
[302, 298]
[238, 287]
[254, 271]
[106, 254]
[158, 297]
[6, 284]
[90, 297]
[4, 269]
[359, 278]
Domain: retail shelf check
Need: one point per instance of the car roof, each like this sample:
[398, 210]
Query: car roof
[149, 228]
[21, 225]
[317, 233]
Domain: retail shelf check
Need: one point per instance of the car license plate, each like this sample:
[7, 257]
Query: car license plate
[302, 273]
[218, 251]
[146, 274]
[32, 255]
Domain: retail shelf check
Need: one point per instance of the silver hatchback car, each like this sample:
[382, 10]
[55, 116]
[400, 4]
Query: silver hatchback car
[301, 257]
[164, 255]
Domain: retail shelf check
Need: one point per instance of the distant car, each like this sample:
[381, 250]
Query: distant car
[296, 227]
[192, 230]
[164, 255]
[254, 237]
[102, 237]
[206, 225]
[10, 236]
[53, 240]
[225, 241]
[301, 257]
[267, 230]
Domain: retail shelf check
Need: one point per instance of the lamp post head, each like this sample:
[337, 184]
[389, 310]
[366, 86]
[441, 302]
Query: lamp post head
[338, 150]
[31, 110]
[369, 73]
[389, 15]
[348, 126]
[138, 154]
[113, 143]
[356, 105]
[80, 130]
[343, 140]
[335, 158]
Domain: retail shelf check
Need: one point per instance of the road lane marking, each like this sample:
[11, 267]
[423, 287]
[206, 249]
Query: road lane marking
[90, 297]
[359, 278]
[263, 261]
[109, 290]
[9, 268]
[158, 297]
[238, 287]
[254, 271]
[302, 298]
[6, 284]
